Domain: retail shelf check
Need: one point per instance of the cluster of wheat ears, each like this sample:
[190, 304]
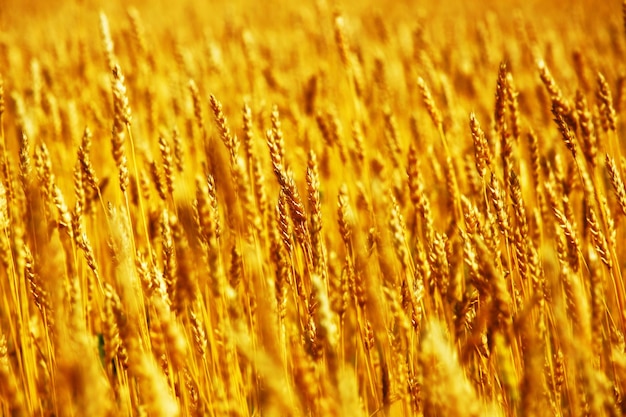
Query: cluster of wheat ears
[331, 213]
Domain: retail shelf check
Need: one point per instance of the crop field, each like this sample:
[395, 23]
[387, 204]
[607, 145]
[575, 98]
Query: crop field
[315, 208]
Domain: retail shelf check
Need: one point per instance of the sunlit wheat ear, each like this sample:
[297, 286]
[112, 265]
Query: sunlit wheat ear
[562, 106]
[157, 399]
[439, 362]
[513, 106]
[186, 283]
[179, 152]
[566, 133]
[170, 273]
[521, 238]
[501, 100]
[573, 246]
[84, 158]
[113, 323]
[284, 226]
[107, 41]
[277, 134]
[121, 119]
[605, 99]
[158, 180]
[482, 154]
[418, 195]
[429, 102]
[618, 184]
[168, 164]
[197, 105]
[37, 288]
[599, 238]
[341, 39]
[173, 335]
[496, 195]
[587, 130]
[139, 33]
[315, 217]
[231, 141]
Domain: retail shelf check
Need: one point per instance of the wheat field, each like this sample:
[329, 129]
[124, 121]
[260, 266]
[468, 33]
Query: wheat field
[312, 209]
